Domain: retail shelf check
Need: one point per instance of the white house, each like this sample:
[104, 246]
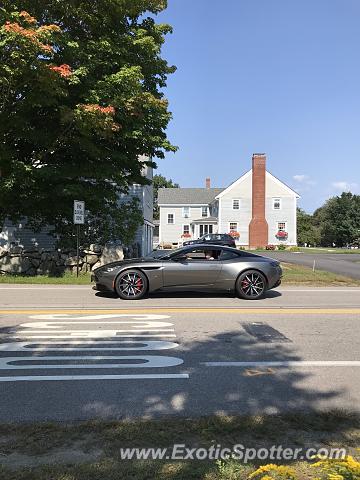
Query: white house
[257, 209]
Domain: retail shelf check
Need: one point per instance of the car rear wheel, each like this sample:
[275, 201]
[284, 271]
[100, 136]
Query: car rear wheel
[251, 285]
[131, 285]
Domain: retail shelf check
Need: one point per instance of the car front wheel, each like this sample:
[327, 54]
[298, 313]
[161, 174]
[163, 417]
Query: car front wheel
[251, 285]
[131, 285]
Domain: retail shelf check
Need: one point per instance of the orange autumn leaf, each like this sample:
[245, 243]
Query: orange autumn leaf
[63, 70]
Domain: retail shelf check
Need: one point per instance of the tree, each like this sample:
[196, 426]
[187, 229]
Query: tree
[307, 233]
[81, 109]
[339, 220]
[159, 181]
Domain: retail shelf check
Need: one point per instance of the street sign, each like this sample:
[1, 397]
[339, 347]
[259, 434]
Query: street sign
[79, 212]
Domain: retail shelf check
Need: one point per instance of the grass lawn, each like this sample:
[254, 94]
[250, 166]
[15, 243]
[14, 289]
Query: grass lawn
[66, 279]
[300, 275]
[311, 250]
[293, 275]
[327, 250]
[90, 451]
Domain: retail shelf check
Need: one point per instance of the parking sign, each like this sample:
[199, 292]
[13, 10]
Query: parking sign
[79, 212]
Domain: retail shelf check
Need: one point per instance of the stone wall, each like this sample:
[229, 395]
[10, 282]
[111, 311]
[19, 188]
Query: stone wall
[17, 260]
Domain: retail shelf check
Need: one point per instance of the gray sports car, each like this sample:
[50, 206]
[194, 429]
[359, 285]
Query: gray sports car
[191, 268]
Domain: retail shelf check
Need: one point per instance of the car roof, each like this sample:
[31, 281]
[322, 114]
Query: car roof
[210, 245]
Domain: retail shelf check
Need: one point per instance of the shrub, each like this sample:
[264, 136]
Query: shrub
[270, 247]
[294, 249]
[281, 247]
[273, 472]
[335, 469]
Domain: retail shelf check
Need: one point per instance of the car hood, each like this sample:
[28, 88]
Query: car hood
[129, 261]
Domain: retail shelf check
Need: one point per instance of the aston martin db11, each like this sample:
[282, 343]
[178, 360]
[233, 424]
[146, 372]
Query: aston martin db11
[191, 268]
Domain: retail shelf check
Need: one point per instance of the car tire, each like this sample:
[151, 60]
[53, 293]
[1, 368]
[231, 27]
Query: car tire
[251, 285]
[131, 285]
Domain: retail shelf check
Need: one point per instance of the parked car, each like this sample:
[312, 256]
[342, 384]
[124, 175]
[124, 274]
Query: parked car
[195, 267]
[214, 239]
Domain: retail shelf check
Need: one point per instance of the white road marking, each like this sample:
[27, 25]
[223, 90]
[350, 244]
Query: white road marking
[89, 333]
[71, 346]
[66, 316]
[322, 290]
[95, 334]
[46, 378]
[152, 361]
[139, 329]
[320, 363]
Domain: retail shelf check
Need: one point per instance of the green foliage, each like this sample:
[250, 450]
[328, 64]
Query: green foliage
[337, 223]
[281, 247]
[159, 181]
[81, 109]
[339, 220]
[307, 232]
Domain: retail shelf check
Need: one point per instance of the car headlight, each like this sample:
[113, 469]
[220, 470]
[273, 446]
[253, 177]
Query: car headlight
[109, 269]
[275, 264]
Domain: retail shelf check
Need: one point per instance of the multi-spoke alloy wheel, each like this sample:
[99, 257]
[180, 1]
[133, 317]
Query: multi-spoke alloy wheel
[131, 285]
[251, 285]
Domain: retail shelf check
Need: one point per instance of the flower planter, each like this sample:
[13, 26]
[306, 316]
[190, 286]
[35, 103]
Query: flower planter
[281, 235]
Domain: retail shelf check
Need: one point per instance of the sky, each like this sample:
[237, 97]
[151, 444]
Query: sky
[280, 77]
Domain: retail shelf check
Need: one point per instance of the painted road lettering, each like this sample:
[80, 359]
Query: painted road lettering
[136, 361]
[72, 346]
[58, 333]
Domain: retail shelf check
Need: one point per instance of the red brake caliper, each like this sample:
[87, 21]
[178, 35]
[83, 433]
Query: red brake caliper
[139, 283]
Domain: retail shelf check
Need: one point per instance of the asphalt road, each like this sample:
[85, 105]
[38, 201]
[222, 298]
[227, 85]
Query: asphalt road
[347, 264]
[183, 355]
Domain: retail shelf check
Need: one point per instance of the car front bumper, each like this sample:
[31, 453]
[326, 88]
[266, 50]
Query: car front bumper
[103, 283]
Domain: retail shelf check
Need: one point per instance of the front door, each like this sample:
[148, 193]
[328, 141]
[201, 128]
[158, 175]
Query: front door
[199, 268]
[205, 229]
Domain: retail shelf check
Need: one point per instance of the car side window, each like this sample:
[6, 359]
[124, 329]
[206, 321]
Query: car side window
[202, 254]
[228, 255]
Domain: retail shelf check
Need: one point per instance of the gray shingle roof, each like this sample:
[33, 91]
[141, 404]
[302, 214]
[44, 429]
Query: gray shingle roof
[187, 196]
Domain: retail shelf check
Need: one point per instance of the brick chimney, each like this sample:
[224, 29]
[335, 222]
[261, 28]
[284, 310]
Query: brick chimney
[207, 182]
[258, 227]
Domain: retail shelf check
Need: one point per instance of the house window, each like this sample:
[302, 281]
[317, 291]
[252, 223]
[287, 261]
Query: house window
[276, 203]
[186, 212]
[205, 229]
[233, 226]
[170, 218]
[281, 226]
[236, 204]
[204, 211]
[186, 229]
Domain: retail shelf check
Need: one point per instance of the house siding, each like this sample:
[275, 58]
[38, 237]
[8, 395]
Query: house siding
[18, 234]
[223, 210]
[169, 233]
[145, 195]
[242, 191]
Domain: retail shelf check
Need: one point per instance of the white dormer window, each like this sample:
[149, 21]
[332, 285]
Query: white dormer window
[204, 211]
[186, 212]
[276, 203]
[236, 204]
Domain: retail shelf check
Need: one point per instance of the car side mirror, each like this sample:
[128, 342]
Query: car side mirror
[180, 258]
